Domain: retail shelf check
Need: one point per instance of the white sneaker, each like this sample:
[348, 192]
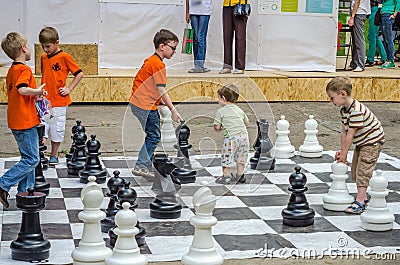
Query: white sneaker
[237, 71]
[358, 69]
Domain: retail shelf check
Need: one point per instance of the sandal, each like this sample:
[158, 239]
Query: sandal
[223, 180]
[380, 62]
[240, 179]
[369, 63]
[356, 210]
[143, 172]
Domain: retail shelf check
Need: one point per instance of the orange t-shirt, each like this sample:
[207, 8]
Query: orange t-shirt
[55, 69]
[21, 110]
[150, 76]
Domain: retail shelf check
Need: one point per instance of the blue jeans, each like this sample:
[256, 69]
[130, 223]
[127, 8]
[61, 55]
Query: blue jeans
[200, 27]
[150, 122]
[23, 172]
[373, 38]
[386, 25]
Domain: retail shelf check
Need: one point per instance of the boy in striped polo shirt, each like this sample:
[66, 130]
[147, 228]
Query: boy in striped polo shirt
[361, 128]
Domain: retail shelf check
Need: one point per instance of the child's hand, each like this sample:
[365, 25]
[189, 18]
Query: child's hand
[338, 154]
[43, 92]
[176, 116]
[64, 91]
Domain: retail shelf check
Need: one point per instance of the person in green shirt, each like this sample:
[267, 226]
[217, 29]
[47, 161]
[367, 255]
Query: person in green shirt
[235, 148]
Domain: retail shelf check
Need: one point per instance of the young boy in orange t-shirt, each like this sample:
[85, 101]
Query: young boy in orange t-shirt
[22, 117]
[56, 65]
[147, 92]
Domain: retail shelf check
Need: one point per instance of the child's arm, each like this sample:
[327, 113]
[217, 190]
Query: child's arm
[346, 141]
[167, 101]
[27, 91]
[67, 90]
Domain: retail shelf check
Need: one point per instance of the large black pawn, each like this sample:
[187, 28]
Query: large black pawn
[262, 159]
[298, 213]
[165, 185]
[41, 185]
[114, 184]
[78, 158]
[184, 171]
[126, 194]
[92, 165]
[43, 159]
[74, 129]
[30, 244]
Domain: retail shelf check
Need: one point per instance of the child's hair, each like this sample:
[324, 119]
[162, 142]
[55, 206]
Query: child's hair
[230, 92]
[48, 35]
[13, 43]
[164, 36]
[340, 83]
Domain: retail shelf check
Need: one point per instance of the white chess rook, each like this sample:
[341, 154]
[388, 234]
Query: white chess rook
[126, 251]
[283, 147]
[311, 147]
[377, 216]
[168, 137]
[92, 248]
[202, 250]
[338, 197]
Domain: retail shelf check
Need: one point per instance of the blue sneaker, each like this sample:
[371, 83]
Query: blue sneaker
[53, 161]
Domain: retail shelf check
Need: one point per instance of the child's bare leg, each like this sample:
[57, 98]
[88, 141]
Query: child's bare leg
[44, 140]
[361, 194]
[54, 148]
[226, 172]
[240, 169]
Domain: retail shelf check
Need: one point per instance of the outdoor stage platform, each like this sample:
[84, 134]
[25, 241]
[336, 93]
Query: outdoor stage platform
[114, 85]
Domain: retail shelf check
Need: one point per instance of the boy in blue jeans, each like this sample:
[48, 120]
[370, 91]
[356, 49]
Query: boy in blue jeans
[21, 115]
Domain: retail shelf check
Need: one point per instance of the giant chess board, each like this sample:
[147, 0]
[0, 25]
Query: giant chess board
[249, 215]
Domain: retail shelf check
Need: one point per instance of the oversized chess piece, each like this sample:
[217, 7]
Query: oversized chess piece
[43, 159]
[114, 184]
[262, 159]
[283, 147]
[168, 137]
[74, 129]
[202, 250]
[126, 194]
[298, 213]
[165, 185]
[184, 171]
[377, 216]
[92, 165]
[126, 251]
[311, 147]
[41, 185]
[30, 244]
[338, 197]
[78, 158]
[92, 248]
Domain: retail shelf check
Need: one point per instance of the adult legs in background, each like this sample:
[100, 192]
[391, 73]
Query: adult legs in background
[240, 24]
[374, 40]
[386, 24]
[200, 26]
[358, 42]
[227, 28]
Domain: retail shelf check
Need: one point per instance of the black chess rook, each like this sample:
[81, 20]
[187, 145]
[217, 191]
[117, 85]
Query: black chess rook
[30, 244]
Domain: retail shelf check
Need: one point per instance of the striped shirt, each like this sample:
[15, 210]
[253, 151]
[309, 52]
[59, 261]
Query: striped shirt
[368, 128]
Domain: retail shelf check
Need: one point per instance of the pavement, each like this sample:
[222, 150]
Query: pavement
[120, 134]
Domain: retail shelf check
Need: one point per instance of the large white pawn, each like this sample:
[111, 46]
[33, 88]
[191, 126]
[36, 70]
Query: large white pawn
[338, 197]
[92, 248]
[311, 147]
[202, 250]
[283, 147]
[377, 216]
[126, 251]
[168, 137]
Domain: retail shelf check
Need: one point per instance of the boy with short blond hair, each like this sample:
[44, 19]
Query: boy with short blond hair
[21, 115]
[56, 65]
[148, 91]
[361, 128]
[233, 122]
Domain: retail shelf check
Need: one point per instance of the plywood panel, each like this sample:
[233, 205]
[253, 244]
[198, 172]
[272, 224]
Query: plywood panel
[121, 89]
[91, 89]
[86, 55]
